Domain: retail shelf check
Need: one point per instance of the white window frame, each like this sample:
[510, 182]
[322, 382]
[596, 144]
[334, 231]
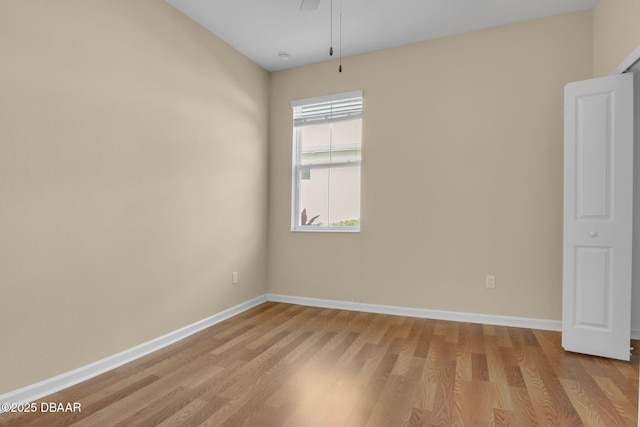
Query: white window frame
[297, 160]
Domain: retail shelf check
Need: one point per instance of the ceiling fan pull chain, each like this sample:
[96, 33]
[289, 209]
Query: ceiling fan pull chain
[340, 66]
[331, 31]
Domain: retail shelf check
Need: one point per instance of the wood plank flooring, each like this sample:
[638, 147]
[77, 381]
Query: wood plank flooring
[289, 365]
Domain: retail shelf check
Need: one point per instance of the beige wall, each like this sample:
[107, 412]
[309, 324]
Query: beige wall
[133, 180]
[616, 33]
[462, 172]
[133, 174]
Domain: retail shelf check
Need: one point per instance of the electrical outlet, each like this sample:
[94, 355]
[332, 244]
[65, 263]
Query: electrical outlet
[490, 282]
[234, 278]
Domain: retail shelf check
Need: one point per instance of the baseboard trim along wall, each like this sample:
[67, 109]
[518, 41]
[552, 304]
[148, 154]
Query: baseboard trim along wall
[68, 379]
[488, 319]
[52, 385]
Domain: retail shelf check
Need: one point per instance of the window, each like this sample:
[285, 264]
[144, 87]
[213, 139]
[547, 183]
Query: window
[327, 145]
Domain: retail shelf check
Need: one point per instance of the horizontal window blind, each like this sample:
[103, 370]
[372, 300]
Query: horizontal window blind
[332, 108]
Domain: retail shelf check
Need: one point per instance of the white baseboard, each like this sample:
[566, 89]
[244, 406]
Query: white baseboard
[68, 379]
[487, 319]
[44, 388]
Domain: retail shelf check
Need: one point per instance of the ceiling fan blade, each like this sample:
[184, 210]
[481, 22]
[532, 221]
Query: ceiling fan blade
[307, 5]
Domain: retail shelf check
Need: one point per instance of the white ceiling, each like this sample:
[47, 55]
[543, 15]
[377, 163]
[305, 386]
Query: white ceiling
[260, 29]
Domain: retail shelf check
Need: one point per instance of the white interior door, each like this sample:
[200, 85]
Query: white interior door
[598, 212]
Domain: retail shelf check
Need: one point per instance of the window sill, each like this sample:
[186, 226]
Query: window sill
[316, 229]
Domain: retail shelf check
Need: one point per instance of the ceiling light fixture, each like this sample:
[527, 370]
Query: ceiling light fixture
[283, 55]
[309, 5]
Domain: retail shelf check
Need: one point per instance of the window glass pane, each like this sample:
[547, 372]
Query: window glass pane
[346, 141]
[314, 193]
[344, 200]
[331, 193]
[315, 144]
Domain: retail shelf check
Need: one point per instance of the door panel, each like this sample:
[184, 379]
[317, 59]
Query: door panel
[592, 148]
[593, 296]
[598, 212]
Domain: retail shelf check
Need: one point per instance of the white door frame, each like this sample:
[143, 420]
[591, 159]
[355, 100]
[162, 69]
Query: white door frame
[627, 63]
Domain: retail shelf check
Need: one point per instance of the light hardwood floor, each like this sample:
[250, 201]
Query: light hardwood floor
[288, 365]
